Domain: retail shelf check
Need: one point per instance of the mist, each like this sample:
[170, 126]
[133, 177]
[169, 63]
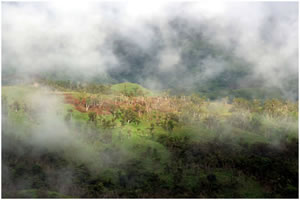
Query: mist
[42, 134]
[151, 43]
[214, 110]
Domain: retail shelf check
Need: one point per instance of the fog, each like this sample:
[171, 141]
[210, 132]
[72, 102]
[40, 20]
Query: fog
[184, 44]
[160, 45]
[43, 134]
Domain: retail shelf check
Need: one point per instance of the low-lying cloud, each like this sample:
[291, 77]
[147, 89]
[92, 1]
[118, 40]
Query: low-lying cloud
[157, 42]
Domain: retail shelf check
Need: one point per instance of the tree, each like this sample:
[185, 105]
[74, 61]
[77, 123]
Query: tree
[92, 117]
[87, 103]
[129, 116]
[16, 106]
[4, 105]
[151, 130]
[241, 103]
[68, 117]
[170, 121]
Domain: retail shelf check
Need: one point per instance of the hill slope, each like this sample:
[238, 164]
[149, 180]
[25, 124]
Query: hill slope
[146, 146]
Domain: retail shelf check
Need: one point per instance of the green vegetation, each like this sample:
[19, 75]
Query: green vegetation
[130, 89]
[103, 141]
[126, 89]
[39, 194]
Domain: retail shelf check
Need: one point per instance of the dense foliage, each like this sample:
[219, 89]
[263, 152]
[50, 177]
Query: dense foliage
[120, 143]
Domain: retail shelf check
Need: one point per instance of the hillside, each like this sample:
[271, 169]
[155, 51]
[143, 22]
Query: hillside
[150, 99]
[126, 143]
